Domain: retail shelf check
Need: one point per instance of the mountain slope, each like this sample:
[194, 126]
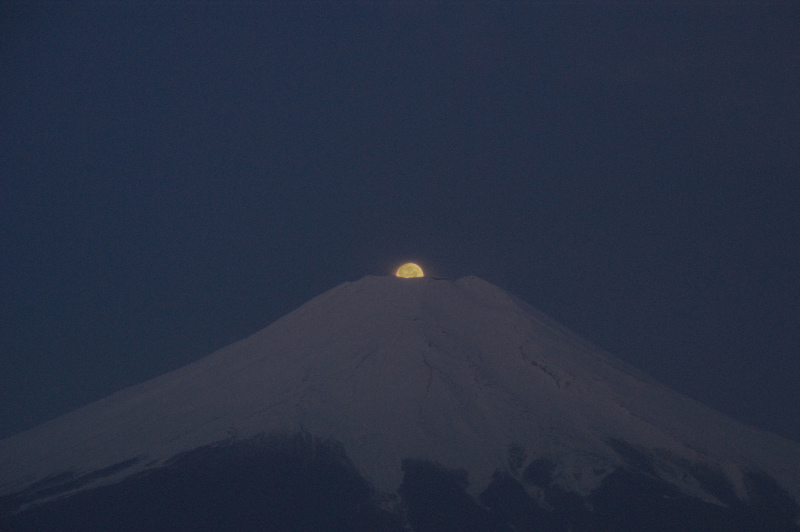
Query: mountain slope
[454, 373]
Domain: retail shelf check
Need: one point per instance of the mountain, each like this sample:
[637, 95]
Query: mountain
[401, 404]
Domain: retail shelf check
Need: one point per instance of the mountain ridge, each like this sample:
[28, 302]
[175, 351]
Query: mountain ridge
[455, 372]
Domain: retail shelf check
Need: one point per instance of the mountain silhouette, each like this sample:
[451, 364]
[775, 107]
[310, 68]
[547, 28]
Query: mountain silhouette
[401, 404]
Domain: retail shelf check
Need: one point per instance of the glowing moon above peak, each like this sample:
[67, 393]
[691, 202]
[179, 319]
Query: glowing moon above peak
[409, 270]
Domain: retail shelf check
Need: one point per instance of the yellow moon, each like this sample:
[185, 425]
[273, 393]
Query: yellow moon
[409, 270]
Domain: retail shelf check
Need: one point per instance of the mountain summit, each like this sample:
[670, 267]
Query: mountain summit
[451, 405]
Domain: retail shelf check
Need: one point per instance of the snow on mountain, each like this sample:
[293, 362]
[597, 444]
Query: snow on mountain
[455, 372]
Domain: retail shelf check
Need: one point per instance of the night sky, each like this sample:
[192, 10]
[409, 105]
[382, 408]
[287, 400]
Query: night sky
[174, 176]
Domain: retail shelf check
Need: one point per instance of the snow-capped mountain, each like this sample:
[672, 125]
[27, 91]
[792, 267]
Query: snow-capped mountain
[459, 375]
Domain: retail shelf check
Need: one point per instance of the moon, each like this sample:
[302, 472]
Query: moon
[409, 270]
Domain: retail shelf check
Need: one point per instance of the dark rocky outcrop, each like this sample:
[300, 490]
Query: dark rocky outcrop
[302, 483]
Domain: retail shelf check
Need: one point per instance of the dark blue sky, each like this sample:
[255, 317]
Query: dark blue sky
[174, 176]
